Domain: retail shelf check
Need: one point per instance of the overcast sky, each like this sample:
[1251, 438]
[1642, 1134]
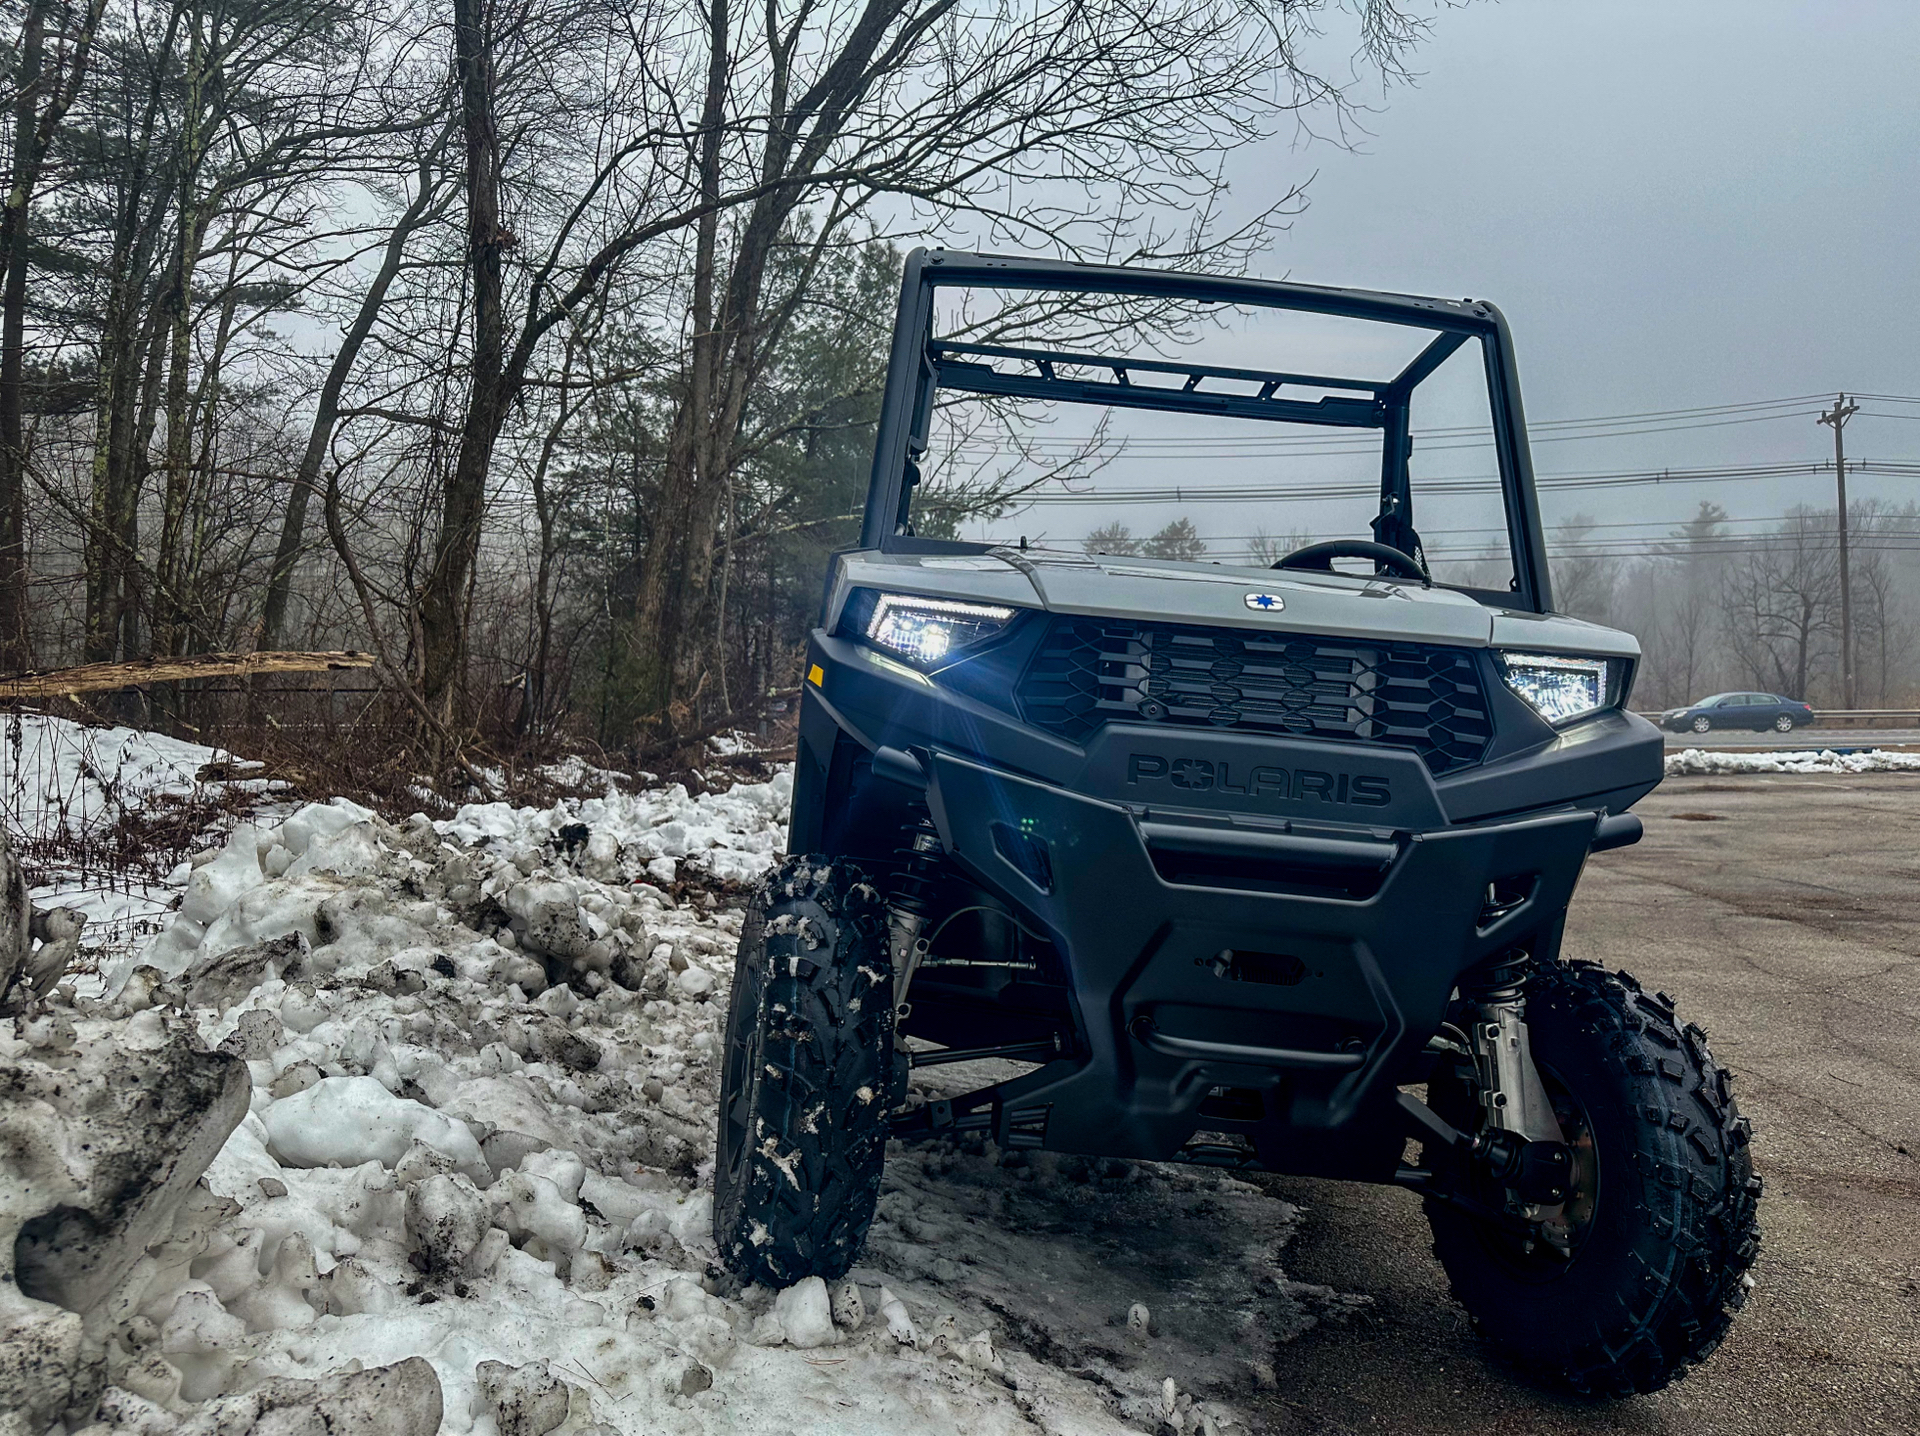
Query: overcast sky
[1676, 204]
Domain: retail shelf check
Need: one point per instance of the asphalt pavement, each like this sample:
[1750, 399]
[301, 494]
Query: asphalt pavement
[1783, 913]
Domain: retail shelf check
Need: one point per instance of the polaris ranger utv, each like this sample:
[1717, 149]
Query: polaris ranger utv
[1262, 867]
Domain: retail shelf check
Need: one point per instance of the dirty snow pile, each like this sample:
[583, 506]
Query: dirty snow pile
[730, 836]
[1695, 762]
[472, 1124]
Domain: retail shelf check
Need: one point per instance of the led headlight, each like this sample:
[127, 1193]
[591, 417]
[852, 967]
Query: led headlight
[925, 630]
[1559, 687]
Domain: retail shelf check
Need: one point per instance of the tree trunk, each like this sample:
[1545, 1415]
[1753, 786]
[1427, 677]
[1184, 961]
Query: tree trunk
[664, 609]
[198, 622]
[169, 617]
[535, 697]
[34, 127]
[16, 641]
[124, 401]
[443, 604]
[273, 615]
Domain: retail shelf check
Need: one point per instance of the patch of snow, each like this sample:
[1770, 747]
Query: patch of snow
[1695, 762]
[57, 772]
[802, 1316]
[345, 1121]
[735, 744]
[573, 771]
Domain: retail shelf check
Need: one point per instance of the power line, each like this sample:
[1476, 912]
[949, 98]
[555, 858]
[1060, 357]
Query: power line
[1599, 479]
[1437, 440]
[1540, 431]
[1668, 530]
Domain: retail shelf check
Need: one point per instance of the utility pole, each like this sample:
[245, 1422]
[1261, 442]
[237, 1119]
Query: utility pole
[1837, 417]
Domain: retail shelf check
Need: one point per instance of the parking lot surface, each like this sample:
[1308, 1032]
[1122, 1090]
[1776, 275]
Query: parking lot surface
[1783, 913]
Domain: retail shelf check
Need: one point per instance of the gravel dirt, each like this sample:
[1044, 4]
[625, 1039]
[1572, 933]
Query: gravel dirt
[1783, 914]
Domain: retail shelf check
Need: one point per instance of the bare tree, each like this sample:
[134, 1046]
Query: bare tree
[1672, 600]
[1883, 623]
[1583, 583]
[1267, 549]
[423, 208]
[1780, 602]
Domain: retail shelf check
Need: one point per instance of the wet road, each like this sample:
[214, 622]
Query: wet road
[1783, 913]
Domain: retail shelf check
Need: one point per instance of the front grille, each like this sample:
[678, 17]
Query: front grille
[1094, 671]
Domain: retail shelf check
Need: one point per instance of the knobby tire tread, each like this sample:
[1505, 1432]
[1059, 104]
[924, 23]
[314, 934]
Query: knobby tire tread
[813, 965]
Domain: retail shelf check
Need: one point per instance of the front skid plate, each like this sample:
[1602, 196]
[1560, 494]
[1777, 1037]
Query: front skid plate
[1328, 1011]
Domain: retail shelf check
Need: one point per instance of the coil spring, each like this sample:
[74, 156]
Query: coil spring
[1500, 979]
[914, 880]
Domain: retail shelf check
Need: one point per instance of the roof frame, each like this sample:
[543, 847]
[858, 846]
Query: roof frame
[954, 367]
[913, 374]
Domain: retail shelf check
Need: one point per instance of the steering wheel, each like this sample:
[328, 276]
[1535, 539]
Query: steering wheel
[1319, 557]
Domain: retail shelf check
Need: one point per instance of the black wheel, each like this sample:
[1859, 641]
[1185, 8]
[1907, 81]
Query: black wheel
[1660, 1227]
[1702, 724]
[1783, 724]
[805, 1091]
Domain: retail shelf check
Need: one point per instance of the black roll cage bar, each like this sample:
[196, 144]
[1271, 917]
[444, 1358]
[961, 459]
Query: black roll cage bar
[920, 365]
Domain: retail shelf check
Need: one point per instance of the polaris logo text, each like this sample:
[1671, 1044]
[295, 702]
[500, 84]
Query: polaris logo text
[1201, 775]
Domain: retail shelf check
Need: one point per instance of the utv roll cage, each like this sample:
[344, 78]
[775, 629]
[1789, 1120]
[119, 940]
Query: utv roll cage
[921, 365]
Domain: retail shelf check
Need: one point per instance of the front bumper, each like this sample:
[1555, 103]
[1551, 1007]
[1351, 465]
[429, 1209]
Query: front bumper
[1317, 1003]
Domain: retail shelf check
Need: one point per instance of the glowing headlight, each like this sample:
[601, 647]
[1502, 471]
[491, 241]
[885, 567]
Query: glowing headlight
[925, 630]
[1560, 688]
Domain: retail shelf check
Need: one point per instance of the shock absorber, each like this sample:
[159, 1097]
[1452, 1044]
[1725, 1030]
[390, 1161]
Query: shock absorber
[1510, 1086]
[1524, 1144]
[910, 902]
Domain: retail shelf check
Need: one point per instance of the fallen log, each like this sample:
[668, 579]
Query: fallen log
[98, 677]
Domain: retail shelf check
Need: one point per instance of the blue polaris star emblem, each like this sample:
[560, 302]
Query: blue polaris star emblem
[1271, 602]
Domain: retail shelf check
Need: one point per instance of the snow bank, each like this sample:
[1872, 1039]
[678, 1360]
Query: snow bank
[1695, 762]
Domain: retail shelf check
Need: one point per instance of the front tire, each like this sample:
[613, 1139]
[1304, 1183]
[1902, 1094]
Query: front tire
[1702, 724]
[809, 1062]
[1663, 1214]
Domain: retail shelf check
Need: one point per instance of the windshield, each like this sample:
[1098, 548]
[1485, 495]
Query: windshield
[1204, 432]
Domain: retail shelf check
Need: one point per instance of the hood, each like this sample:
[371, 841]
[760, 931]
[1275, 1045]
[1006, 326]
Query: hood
[1218, 594]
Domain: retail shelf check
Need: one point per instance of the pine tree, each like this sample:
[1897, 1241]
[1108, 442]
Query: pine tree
[1179, 539]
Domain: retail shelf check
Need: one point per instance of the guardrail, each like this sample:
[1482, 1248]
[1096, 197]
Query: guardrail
[1846, 717]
